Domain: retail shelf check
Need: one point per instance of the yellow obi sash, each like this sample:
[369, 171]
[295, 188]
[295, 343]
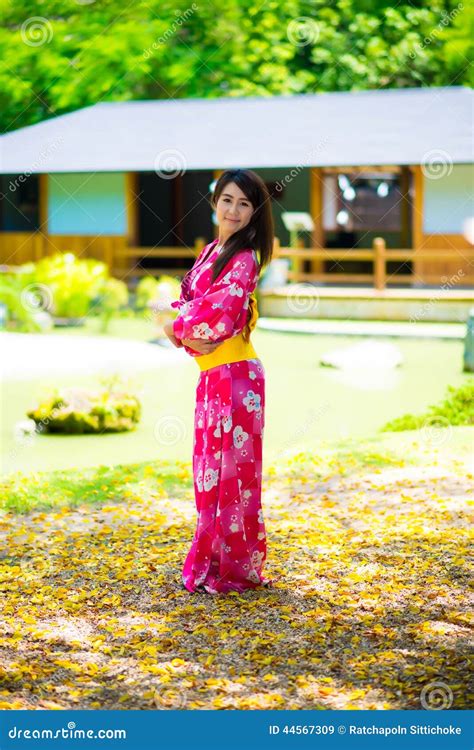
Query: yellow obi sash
[234, 349]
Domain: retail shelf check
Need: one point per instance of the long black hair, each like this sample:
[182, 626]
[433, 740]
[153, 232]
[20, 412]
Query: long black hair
[259, 232]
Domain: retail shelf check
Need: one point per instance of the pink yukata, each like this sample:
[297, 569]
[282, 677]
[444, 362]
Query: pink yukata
[229, 546]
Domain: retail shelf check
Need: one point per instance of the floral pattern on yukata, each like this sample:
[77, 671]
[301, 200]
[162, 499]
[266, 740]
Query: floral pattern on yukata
[215, 310]
[229, 546]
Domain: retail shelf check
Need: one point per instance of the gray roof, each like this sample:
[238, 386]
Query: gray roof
[385, 126]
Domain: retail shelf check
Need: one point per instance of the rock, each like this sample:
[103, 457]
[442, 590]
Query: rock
[364, 355]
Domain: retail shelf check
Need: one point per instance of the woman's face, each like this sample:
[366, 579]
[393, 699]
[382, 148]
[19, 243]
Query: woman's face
[233, 210]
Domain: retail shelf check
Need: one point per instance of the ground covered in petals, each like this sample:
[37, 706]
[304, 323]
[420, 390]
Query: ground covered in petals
[369, 610]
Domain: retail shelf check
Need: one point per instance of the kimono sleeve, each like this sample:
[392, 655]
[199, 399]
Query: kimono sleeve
[222, 311]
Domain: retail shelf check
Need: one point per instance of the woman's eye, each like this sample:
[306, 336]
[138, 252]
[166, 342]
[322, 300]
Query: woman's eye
[227, 200]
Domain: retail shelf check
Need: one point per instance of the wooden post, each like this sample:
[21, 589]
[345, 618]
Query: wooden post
[379, 262]
[417, 209]
[276, 247]
[405, 207]
[420, 267]
[131, 203]
[298, 262]
[316, 178]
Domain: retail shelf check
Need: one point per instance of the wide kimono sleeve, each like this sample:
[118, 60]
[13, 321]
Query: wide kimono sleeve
[222, 311]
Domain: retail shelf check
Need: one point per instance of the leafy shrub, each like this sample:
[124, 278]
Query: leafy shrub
[79, 411]
[72, 283]
[21, 315]
[145, 292]
[456, 409]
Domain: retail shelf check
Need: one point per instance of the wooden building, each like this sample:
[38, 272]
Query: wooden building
[386, 175]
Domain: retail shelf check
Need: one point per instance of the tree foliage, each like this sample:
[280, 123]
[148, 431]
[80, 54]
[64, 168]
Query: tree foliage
[61, 55]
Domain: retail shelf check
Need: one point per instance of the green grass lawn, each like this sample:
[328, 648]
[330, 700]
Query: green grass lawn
[96, 485]
[305, 403]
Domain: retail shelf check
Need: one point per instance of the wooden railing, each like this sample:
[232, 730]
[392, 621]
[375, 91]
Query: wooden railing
[379, 256]
[131, 256]
[428, 266]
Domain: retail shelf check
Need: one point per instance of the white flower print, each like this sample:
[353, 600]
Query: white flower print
[257, 558]
[247, 493]
[217, 431]
[220, 327]
[225, 279]
[233, 518]
[260, 516]
[227, 422]
[252, 401]
[252, 375]
[202, 331]
[236, 291]
[217, 455]
[234, 527]
[199, 480]
[210, 478]
[240, 436]
[261, 535]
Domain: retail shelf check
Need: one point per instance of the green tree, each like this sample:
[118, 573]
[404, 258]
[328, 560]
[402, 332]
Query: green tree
[60, 55]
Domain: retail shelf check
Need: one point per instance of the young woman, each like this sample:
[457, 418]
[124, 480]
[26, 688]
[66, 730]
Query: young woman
[217, 312]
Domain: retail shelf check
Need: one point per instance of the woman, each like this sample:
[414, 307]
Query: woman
[217, 312]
